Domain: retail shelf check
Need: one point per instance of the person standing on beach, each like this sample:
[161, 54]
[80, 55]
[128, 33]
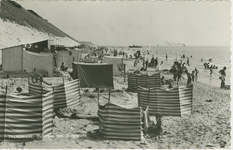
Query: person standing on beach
[196, 72]
[187, 61]
[211, 71]
[193, 75]
[223, 75]
[156, 62]
[189, 77]
[166, 57]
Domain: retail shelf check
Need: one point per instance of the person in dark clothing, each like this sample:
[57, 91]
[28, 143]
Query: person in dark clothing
[189, 78]
[193, 75]
[63, 68]
[196, 72]
[188, 61]
[152, 62]
[223, 75]
[166, 57]
[156, 62]
[211, 71]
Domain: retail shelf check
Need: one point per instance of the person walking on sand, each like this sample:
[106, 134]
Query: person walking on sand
[211, 71]
[223, 75]
[166, 57]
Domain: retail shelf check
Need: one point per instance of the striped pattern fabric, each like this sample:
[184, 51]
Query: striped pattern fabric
[118, 123]
[2, 115]
[135, 80]
[115, 61]
[64, 95]
[172, 102]
[67, 94]
[35, 89]
[47, 113]
[26, 117]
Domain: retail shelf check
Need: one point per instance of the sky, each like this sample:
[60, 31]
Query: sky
[124, 23]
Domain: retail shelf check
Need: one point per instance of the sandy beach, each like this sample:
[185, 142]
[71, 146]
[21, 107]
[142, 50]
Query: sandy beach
[207, 128]
[159, 28]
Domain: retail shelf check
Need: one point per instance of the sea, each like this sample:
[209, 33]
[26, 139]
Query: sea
[220, 57]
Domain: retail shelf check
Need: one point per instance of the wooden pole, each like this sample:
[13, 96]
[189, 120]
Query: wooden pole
[124, 72]
[109, 95]
[6, 89]
[98, 96]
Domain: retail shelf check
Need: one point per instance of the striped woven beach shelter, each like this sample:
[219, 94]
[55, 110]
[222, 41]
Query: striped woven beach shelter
[24, 118]
[143, 80]
[64, 95]
[119, 123]
[172, 102]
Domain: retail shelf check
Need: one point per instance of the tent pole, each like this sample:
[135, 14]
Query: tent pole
[124, 72]
[98, 96]
[109, 95]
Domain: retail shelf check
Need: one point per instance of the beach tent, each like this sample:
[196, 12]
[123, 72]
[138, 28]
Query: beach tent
[25, 118]
[39, 61]
[65, 95]
[116, 61]
[173, 102]
[68, 56]
[119, 123]
[144, 80]
[93, 75]
[15, 59]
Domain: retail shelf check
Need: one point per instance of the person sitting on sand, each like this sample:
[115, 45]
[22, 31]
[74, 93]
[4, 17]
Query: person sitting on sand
[63, 68]
[223, 75]
[162, 81]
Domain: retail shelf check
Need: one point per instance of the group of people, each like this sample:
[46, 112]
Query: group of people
[179, 68]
